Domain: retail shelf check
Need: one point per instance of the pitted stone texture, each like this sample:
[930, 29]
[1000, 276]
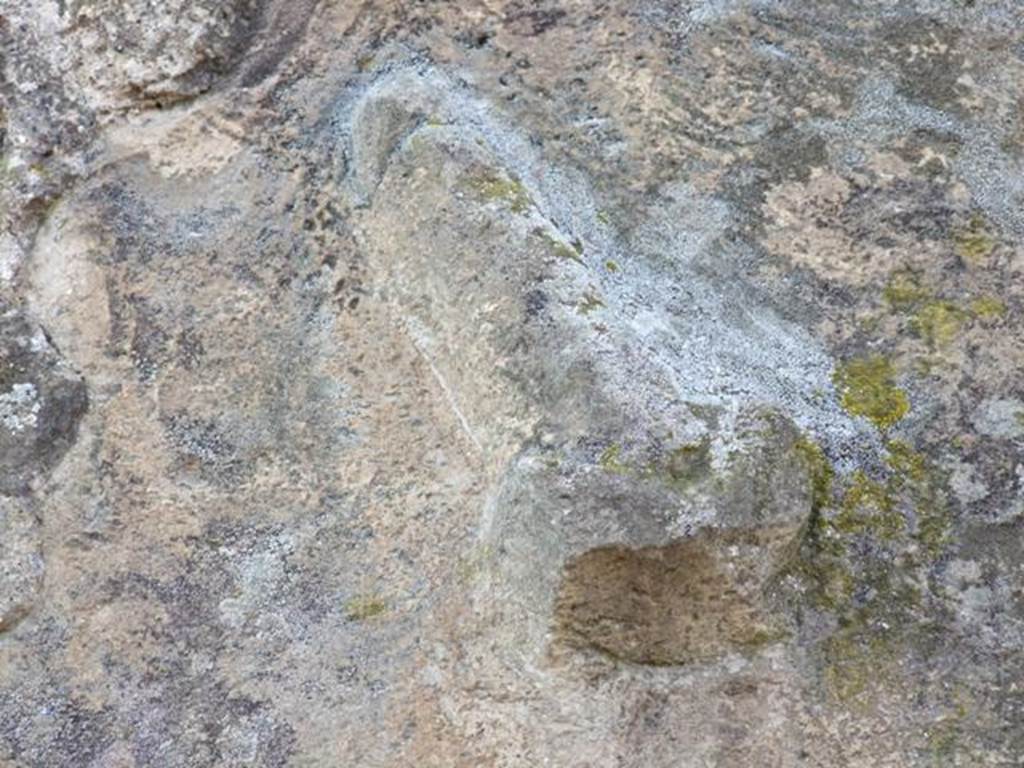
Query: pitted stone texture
[426, 344]
[688, 601]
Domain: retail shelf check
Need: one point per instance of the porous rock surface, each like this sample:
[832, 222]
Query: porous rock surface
[601, 383]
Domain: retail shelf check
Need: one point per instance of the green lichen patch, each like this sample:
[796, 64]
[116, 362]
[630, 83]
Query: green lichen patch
[678, 468]
[762, 637]
[561, 249]
[819, 469]
[934, 528]
[590, 302]
[872, 507]
[611, 460]
[365, 607]
[869, 507]
[864, 557]
[988, 308]
[686, 464]
[973, 243]
[611, 266]
[938, 322]
[914, 478]
[867, 388]
[904, 290]
[494, 187]
[905, 462]
[864, 656]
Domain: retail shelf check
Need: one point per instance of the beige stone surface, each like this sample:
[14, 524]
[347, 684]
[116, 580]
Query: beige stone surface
[591, 384]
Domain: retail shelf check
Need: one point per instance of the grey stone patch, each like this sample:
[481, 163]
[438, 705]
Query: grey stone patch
[45, 725]
[1001, 418]
[389, 112]
[881, 113]
[259, 575]
[963, 480]
[929, 58]
[41, 402]
[1015, 510]
[204, 447]
[133, 57]
[19, 408]
[11, 256]
[21, 561]
[44, 131]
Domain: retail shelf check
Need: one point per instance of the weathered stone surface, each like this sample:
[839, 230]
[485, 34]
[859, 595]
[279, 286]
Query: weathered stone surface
[21, 560]
[574, 384]
[41, 402]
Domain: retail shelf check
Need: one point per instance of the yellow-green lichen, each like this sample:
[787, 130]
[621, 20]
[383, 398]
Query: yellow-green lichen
[915, 478]
[819, 469]
[611, 266]
[867, 388]
[496, 188]
[988, 308]
[861, 560]
[973, 243]
[871, 510]
[938, 322]
[610, 460]
[686, 464]
[819, 564]
[762, 637]
[864, 656]
[934, 526]
[904, 290]
[562, 250]
[589, 303]
[552, 462]
[869, 507]
[905, 462]
[678, 469]
[365, 607]
[934, 516]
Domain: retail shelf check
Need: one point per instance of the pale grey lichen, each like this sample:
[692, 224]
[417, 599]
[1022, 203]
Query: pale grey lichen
[19, 407]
